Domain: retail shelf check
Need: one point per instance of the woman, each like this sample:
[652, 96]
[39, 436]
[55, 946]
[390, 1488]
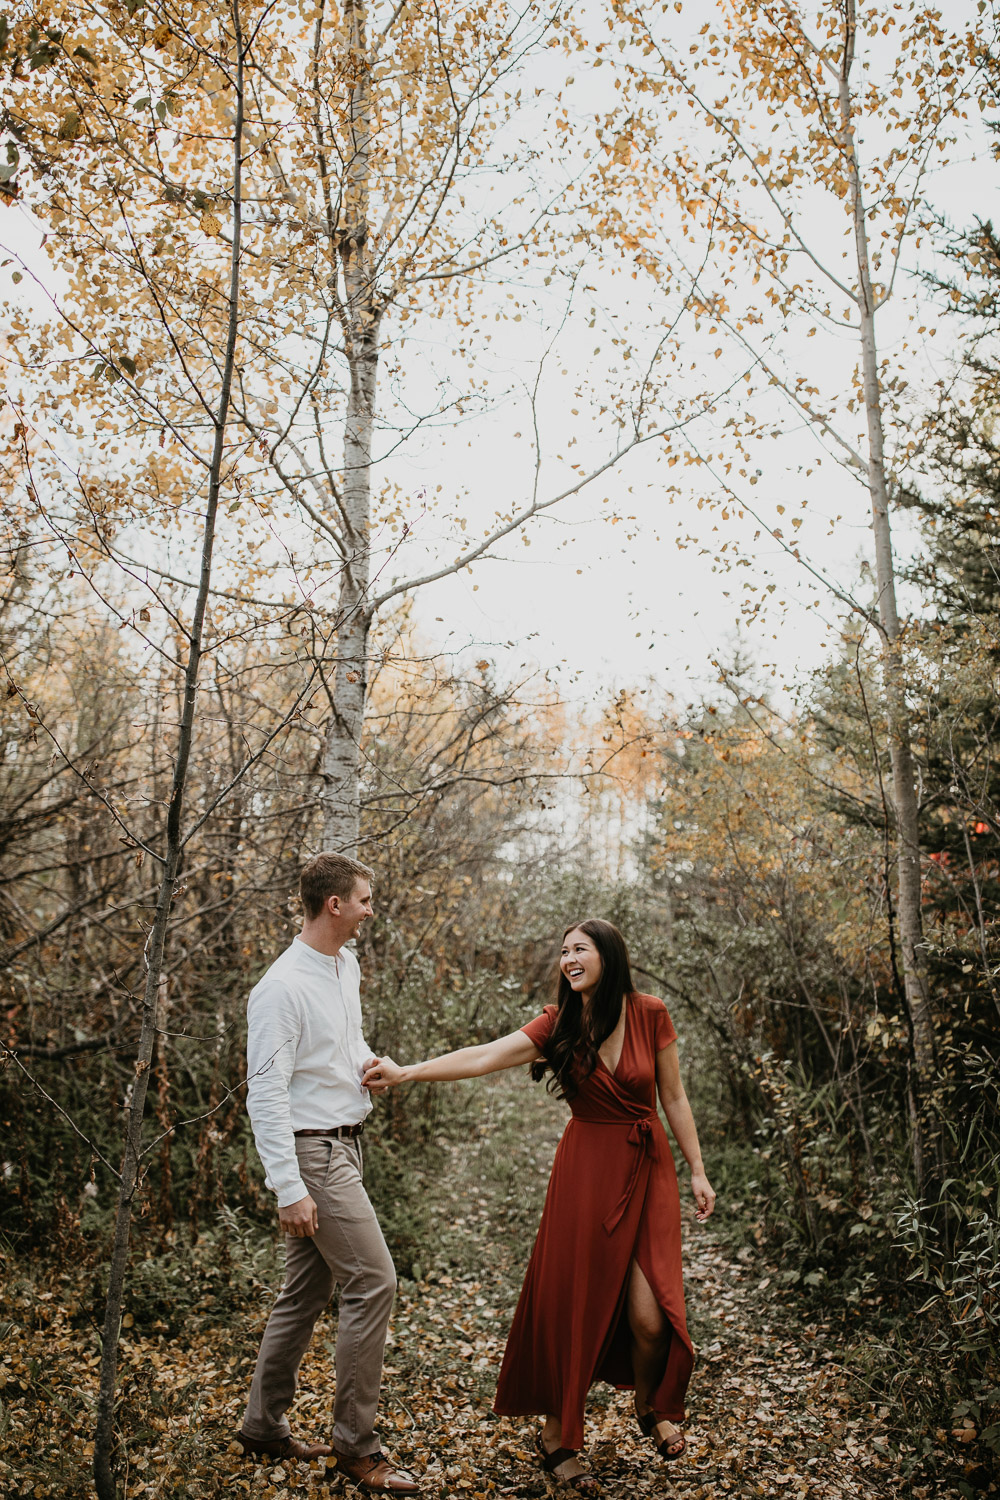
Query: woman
[603, 1297]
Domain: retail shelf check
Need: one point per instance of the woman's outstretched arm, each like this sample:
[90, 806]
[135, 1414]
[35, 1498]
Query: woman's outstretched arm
[468, 1062]
[681, 1122]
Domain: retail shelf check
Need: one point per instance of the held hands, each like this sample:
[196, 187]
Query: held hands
[371, 1078]
[300, 1220]
[381, 1073]
[704, 1196]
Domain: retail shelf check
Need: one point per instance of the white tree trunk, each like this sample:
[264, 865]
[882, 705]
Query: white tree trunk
[340, 794]
[341, 775]
[904, 792]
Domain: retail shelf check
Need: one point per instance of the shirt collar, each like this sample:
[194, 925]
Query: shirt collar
[328, 962]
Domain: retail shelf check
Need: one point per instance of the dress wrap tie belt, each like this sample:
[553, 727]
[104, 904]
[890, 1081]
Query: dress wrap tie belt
[642, 1138]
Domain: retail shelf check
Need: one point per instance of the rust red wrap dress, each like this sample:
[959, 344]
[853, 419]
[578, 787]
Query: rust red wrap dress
[612, 1198]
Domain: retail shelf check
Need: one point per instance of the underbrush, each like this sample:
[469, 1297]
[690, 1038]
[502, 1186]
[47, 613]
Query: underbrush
[913, 1288]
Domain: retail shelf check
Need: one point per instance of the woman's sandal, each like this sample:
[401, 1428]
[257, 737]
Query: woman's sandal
[668, 1447]
[584, 1484]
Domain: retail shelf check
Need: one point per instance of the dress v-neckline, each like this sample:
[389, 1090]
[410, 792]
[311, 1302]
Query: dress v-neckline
[613, 1072]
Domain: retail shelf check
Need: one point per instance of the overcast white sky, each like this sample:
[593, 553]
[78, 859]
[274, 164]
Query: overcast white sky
[596, 608]
[600, 606]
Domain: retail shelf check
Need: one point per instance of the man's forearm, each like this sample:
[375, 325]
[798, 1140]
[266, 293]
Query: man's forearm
[270, 1115]
[284, 1178]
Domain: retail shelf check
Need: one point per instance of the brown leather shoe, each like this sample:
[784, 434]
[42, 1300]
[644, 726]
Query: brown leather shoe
[284, 1447]
[374, 1472]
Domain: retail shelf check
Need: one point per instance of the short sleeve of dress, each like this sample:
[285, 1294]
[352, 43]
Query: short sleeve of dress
[663, 1027]
[540, 1029]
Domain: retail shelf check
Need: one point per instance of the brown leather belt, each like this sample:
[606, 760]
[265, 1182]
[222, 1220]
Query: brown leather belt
[341, 1132]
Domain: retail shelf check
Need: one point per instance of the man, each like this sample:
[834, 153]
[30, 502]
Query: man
[305, 1060]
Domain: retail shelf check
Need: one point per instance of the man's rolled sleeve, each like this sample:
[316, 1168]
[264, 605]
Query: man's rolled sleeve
[273, 1029]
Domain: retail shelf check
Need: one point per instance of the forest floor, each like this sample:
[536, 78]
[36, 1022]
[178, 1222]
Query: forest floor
[773, 1411]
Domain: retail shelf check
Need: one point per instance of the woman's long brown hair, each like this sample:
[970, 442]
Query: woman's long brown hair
[577, 1036]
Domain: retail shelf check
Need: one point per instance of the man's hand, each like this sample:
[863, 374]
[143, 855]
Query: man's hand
[381, 1073]
[300, 1220]
[374, 1080]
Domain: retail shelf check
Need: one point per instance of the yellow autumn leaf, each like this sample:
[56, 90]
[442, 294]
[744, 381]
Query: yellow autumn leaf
[71, 126]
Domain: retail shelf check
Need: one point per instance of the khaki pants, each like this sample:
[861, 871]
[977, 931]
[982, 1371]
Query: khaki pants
[347, 1250]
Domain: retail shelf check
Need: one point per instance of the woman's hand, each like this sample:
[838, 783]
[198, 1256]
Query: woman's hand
[704, 1196]
[381, 1074]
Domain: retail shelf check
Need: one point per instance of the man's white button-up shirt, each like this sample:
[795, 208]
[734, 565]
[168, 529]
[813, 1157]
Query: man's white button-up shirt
[305, 1057]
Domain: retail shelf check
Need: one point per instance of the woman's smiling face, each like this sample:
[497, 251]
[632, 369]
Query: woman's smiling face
[581, 963]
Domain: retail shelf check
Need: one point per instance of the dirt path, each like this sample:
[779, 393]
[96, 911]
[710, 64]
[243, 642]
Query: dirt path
[769, 1405]
[772, 1413]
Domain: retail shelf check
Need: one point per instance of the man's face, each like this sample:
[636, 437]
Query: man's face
[355, 909]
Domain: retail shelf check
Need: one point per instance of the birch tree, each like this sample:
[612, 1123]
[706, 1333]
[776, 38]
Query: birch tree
[805, 141]
[403, 187]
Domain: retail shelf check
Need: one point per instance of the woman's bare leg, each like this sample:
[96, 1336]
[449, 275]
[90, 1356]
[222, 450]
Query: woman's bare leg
[551, 1440]
[651, 1335]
